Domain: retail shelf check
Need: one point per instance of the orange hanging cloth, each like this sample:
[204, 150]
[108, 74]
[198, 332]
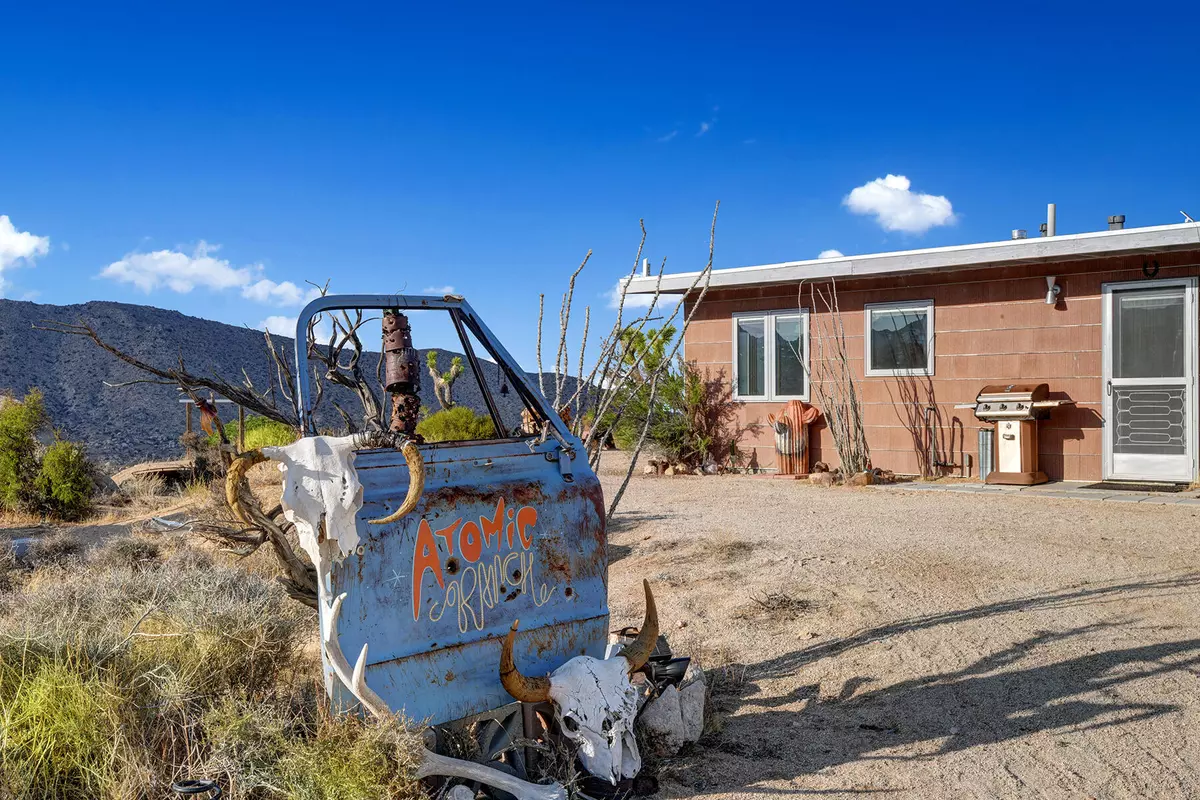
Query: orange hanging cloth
[791, 436]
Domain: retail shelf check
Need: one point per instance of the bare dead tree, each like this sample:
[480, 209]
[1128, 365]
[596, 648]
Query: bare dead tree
[619, 373]
[832, 379]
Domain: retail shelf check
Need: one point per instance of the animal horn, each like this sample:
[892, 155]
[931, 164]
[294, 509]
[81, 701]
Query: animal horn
[639, 651]
[416, 484]
[522, 687]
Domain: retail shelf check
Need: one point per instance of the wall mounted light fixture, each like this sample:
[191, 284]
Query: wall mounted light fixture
[1053, 290]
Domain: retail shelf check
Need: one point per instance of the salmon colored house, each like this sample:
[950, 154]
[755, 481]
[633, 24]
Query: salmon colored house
[1118, 337]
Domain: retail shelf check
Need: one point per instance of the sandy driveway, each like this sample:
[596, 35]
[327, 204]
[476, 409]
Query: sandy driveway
[924, 644]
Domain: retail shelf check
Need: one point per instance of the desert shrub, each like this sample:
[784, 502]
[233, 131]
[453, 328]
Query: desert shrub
[456, 424]
[127, 551]
[693, 420]
[20, 423]
[64, 482]
[144, 487]
[260, 432]
[114, 681]
[57, 549]
[60, 730]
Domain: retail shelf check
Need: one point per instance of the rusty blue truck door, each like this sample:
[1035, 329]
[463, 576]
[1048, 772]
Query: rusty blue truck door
[506, 529]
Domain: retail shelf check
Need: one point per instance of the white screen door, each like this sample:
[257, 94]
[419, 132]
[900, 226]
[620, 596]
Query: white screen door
[1149, 380]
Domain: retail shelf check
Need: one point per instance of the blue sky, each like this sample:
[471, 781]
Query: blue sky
[489, 147]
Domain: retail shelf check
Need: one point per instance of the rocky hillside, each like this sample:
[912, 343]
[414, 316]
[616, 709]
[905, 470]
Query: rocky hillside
[144, 421]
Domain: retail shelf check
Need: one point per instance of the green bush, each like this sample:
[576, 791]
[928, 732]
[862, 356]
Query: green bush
[260, 432]
[20, 423]
[64, 483]
[458, 424]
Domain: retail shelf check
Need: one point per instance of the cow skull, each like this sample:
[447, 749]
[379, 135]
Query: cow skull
[595, 703]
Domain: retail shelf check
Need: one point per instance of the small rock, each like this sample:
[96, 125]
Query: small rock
[808, 635]
[460, 792]
[649, 469]
[822, 478]
[711, 469]
[861, 479]
[820, 466]
[681, 624]
[669, 471]
[662, 723]
[691, 711]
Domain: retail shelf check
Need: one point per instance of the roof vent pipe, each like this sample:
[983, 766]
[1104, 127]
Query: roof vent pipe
[645, 268]
[1050, 215]
[1116, 222]
[1018, 233]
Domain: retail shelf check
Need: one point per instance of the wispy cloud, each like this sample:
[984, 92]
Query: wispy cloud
[182, 272]
[830, 254]
[18, 247]
[705, 127]
[438, 290]
[897, 208]
[283, 325]
[666, 137]
[631, 300]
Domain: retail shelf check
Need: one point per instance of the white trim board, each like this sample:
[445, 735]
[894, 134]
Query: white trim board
[1068, 247]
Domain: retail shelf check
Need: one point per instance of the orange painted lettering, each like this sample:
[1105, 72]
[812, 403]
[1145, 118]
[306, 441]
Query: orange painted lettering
[470, 543]
[425, 557]
[447, 534]
[526, 518]
[492, 527]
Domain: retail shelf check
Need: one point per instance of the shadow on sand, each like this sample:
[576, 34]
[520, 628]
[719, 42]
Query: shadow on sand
[991, 700]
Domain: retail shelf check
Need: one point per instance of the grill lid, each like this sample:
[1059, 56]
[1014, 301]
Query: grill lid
[1013, 392]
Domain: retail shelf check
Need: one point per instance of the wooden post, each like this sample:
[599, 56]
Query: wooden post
[187, 413]
[241, 429]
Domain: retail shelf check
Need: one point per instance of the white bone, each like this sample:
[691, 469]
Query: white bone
[597, 695]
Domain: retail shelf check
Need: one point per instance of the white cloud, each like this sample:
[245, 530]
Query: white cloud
[18, 246]
[283, 325]
[631, 300]
[897, 208]
[182, 272]
[178, 271]
[265, 290]
[438, 290]
[666, 137]
[705, 127]
[830, 254]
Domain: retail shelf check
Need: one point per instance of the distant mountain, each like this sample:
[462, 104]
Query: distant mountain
[144, 421]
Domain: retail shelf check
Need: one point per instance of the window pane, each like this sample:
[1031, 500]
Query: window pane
[898, 339]
[1148, 334]
[751, 345]
[789, 356]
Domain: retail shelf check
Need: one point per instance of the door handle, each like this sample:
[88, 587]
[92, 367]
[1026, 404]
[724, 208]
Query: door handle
[1108, 388]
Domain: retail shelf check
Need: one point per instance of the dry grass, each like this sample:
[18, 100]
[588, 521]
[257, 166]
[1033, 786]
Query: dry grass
[147, 660]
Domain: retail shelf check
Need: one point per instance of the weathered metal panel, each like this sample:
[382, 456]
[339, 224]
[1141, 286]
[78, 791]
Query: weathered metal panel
[499, 535]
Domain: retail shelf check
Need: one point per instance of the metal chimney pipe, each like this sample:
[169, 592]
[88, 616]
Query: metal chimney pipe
[1116, 222]
[1050, 215]
[1018, 233]
[645, 268]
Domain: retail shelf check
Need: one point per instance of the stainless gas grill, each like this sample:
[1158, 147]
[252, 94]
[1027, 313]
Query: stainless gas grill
[1015, 409]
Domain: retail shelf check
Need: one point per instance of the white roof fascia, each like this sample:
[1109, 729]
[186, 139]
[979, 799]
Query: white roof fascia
[1068, 247]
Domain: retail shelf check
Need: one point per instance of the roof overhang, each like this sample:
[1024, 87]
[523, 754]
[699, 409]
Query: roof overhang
[1070, 247]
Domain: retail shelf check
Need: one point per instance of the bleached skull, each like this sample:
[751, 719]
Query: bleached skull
[595, 703]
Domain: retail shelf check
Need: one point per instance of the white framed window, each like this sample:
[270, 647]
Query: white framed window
[770, 355]
[899, 338]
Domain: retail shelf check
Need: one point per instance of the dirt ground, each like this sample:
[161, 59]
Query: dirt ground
[922, 644]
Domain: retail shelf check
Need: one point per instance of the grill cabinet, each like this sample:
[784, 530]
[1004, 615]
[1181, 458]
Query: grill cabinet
[1014, 409]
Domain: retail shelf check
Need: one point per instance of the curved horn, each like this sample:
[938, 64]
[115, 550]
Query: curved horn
[416, 483]
[523, 688]
[639, 651]
[233, 481]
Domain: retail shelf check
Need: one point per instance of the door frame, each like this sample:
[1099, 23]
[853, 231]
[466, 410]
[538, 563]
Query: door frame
[1192, 383]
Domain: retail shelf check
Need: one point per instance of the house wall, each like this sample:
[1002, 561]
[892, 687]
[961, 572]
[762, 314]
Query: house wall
[990, 326]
